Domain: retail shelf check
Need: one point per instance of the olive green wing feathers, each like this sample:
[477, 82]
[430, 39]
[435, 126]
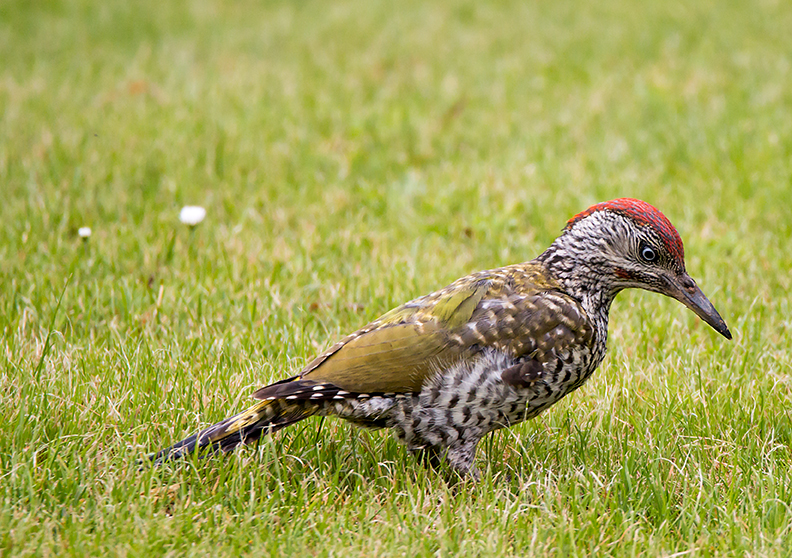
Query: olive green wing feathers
[515, 310]
[400, 350]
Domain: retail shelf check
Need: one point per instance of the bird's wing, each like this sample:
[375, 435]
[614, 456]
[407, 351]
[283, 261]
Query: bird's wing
[398, 351]
[501, 309]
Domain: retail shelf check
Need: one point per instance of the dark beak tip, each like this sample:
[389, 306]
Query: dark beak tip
[719, 325]
[686, 291]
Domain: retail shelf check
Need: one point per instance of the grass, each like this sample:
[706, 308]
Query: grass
[354, 155]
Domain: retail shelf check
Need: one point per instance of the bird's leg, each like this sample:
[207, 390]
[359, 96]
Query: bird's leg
[460, 458]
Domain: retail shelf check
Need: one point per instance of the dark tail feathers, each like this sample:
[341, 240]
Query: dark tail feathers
[246, 427]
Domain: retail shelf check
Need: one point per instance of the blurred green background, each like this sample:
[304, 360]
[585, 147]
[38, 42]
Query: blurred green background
[351, 156]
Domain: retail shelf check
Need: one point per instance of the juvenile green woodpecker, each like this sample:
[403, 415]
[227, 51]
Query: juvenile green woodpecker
[490, 350]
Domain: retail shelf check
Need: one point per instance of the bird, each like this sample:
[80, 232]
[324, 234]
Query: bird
[488, 351]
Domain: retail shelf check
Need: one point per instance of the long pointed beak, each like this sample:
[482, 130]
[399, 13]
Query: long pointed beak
[684, 289]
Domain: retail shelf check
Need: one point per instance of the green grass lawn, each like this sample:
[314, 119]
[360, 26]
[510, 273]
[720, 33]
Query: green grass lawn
[352, 156]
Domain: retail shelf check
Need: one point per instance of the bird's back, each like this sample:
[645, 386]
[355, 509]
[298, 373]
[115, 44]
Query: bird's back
[518, 310]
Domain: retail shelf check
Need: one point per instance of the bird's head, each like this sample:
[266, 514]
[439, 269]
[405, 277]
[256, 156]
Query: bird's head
[627, 243]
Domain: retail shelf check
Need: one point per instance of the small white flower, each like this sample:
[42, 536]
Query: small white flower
[192, 214]
[84, 232]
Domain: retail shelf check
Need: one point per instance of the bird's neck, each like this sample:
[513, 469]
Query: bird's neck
[584, 276]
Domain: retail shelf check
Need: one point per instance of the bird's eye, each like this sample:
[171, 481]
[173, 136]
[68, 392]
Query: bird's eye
[648, 254]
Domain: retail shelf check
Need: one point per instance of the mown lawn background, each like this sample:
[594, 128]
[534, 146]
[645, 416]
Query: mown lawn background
[352, 156]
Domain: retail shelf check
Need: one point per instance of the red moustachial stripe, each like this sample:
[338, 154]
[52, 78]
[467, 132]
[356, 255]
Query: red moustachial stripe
[643, 214]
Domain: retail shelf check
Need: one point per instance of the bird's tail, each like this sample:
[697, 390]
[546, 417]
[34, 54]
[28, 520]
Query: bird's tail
[246, 427]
